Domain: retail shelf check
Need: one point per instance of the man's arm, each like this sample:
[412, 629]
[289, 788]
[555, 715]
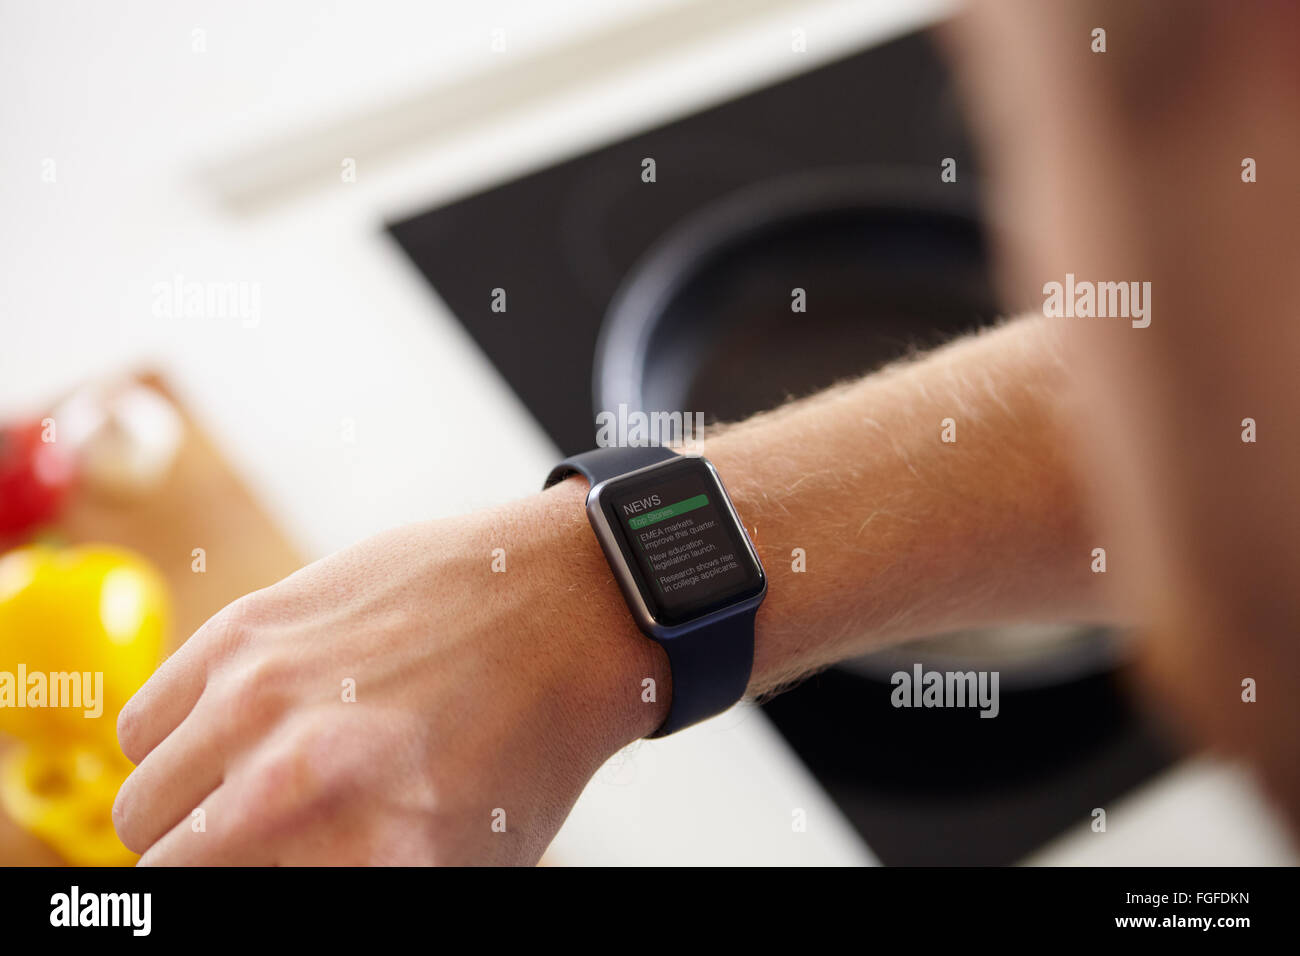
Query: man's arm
[475, 692]
[907, 534]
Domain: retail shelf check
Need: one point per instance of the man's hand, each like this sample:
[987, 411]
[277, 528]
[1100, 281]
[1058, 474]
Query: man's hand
[389, 704]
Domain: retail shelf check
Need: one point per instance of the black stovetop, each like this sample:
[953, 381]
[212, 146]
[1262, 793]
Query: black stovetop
[939, 789]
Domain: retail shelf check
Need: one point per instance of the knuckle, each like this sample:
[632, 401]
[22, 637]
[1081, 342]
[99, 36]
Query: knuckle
[230, 628]
[294, 781]
[323, 765]
[252, 695]
[261, 676]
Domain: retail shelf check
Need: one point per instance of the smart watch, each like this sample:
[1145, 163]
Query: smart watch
[685, 565]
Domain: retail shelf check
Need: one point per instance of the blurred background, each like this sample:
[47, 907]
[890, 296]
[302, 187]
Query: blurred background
[249, 260]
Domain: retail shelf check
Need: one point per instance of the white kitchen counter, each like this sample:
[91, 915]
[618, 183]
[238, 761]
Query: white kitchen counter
[154, 146]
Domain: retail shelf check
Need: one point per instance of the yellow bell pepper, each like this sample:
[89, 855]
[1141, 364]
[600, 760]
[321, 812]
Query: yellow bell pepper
[72, 621]
[81, 629]
[65, 797]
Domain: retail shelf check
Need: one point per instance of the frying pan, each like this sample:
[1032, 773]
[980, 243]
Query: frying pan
[889, 260]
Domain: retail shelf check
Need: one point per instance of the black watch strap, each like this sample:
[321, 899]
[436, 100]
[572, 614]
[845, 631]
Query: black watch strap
[711, 663]
[605, 463]
[708, 674]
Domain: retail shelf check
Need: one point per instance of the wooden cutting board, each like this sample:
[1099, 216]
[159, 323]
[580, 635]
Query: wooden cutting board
[202, 504]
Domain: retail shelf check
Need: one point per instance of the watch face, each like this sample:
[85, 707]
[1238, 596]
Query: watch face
[685, 550]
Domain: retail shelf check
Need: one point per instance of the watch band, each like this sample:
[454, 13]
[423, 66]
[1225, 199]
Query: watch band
[602, 463]
[708, 676]
[710, 660]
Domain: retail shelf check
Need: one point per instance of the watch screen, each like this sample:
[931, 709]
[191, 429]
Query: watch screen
[690, 556]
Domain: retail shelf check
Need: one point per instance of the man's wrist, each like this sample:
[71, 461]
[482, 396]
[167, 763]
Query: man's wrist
[618, 680]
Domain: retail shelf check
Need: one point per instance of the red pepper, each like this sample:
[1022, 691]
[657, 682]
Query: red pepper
[34, 477]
